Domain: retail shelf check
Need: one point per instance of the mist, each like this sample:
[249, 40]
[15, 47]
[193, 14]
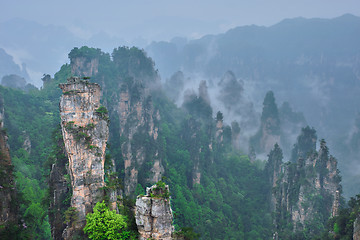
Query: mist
[241, 51]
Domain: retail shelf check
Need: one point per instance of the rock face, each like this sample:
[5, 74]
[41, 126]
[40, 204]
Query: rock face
[59, 186]
[8, 212]
[306, 143]
[356, 235]
[84, 124]
[154, 215]
[219, 137]
[84, 66]
[175, 85]
[269, 132]
[135, 121]
[304, 192]
[139, 126]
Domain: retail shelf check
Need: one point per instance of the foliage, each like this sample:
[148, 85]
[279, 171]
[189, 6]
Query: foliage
[70, 216]
[231, 200]
[29, 160]
[270, 121]
[85, 52]
[341, 227]
[134, 62]
[160, 190]
[219, 116]
[105, 224]
[102, 112]
[187, 233]
[198, 107]
[306, 144]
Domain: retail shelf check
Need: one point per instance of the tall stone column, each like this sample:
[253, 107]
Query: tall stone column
[84, 124]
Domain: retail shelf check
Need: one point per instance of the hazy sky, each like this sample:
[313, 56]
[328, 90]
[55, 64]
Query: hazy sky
[164, 19]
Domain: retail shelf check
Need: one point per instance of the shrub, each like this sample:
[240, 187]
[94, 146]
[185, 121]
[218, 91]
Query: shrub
[105, 224]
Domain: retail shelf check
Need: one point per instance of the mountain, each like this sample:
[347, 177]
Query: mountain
[313, 64]
[117, 131]
[8, 66]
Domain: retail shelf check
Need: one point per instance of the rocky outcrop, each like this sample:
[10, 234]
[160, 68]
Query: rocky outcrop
[139, 127]
[269, 132]
[306, 191]
[175, 85]
[60, 189]
[235, 134]
[306, 143]
[356, 234]
[153, 215]
[273, 171]
[84, 124]
[127, 95]
[81, 66]
[291, 124]
[8, 210]
[84, 61]
[219, 137]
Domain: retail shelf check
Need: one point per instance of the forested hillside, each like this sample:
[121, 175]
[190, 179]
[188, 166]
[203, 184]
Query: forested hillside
[217, 188]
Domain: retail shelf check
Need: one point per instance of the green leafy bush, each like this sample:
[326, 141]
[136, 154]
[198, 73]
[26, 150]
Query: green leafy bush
[102, 112]
[106, 224]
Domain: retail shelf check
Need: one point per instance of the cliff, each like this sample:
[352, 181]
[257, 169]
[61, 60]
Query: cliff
[139, 127]
[356, 235]
[59, 188]
[8, 209]
[84, 61]
[305, 193]
[269, 132]
[84, 124]
[127, 94]
[153, 213]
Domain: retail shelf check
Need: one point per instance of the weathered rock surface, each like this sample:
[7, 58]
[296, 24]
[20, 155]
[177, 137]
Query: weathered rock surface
[356, 234]
[269, 132]
[83, 66]
[59, 187]
[305, 191]
[219, 137]
[139, 125]
[85, 132]
[8, 211]
[153, 216]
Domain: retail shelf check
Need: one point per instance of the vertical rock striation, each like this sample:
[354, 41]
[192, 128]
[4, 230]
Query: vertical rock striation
[127, 95]
[154, 215]
[84, 61]
[139, 127]
[269, 132]
[85, 132]
[8, 210]
[60, 188]
[356, 234]
[305, 192]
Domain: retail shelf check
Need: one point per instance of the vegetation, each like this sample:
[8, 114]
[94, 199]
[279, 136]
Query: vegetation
[229, 199]
[30, 160]
[160, 190]
[341, 227]
[102, 112]
[106, 224]
[270, 121]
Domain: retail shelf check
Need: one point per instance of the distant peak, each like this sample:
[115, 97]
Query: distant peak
[347, 17]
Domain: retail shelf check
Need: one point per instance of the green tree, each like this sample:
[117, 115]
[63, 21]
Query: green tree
[106, 224]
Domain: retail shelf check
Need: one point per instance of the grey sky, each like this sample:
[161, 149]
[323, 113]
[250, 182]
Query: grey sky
[164, 19]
